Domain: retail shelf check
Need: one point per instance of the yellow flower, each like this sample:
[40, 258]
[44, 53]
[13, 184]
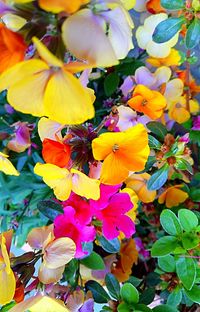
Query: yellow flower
[57, 6]
[13, 21]
[173, 59]
[121, 152]
[102, 38]
[134, 199]
[145, 41]
[56, 253]
[7, 277]
[40, 303]
[49, 129]
[6, 166]
[173, 196]
[138, 183]
[63, 182]
[178, 109]
[54, 91]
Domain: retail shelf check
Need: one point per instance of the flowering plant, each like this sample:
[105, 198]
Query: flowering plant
[99, 155]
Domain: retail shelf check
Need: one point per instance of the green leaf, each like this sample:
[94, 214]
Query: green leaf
[194, 294]
[94, 262]
[188, 219]
[173, 5]
[164, 308]
[134, 281]
[193, 34]
[113, 286]
[129, 293]
[154, 143]
[98, 292]
[123, 307]
[158, 179]
[170, 222]
[190, 240]
[167, 263]
[142, 308]
[111, 246]
[164, 246]
[50, 209]
[186, 271]
[174, 298]
[183, 164]
[168, 29]
[158, 129]
[147, 296]
[111, 83]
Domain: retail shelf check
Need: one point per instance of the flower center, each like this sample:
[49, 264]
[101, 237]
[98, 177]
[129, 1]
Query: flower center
[178, 105]
[115, 147]
[144, 102]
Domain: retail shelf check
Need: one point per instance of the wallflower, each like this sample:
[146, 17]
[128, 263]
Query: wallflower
[173, 59]
[6, 166]
[111, 209]
[122, 152]
[21, 139]
[7, 277]
[178, 109]
[145, 41]
[173, 196]
[128, 255]
[154, 6]
[13, 21]
[78, 302]
[57, 93]
[102, 37]
[67, 225]
[138, 183]
[40, 303]
[49, 129]
[56, 253]
[57, 6]
[56, 152]
[63, 181]
[129, 118]
[12, 48]
[151, 103]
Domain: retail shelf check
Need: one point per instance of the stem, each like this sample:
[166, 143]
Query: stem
[187, 82]
[101, 125]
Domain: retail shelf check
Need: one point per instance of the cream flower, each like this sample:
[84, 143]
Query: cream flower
[144, 35]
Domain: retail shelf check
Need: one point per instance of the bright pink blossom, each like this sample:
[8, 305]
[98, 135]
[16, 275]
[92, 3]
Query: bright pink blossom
[111, 209]
[67, 225]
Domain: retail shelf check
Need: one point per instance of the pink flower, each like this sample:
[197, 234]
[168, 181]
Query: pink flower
[66, 225]
[83, 212]
[140, 248]
[111, 209]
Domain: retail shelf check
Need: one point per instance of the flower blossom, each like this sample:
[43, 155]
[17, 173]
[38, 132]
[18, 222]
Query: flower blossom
[121, 152]
[6, 166]
[173, 196]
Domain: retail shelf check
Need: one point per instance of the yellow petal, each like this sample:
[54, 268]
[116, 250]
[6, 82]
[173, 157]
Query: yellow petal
[45, 54]
[59, 252]
[39, 235]
[59, 179]
[27, 95]
[6, 166]
[66, 100]
[7, 286]
[13, 22]
[128, 4]
[85, 186]
[40, 303]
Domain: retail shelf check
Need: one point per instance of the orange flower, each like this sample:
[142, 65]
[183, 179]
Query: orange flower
[56, 153]
[12, 48]
[57, 6]
[127, 257]
[178, 110]
[138, 183]
[146, 101]
[122, 152]
[173, 196]
[154, 7]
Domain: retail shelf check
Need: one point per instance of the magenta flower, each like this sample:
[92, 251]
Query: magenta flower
[83, 211]
[66, 225]
[196, 123]
[111, 209]
[140, 248]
